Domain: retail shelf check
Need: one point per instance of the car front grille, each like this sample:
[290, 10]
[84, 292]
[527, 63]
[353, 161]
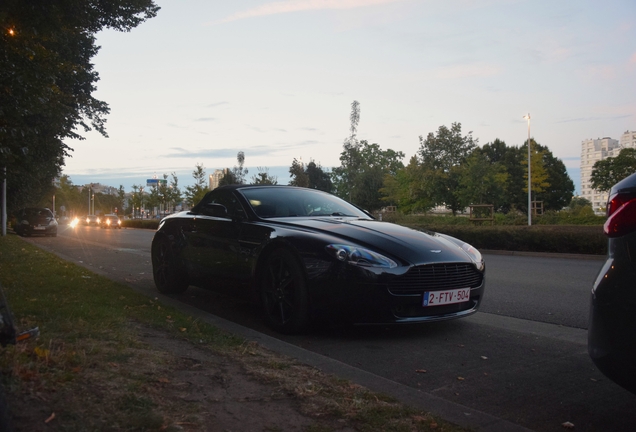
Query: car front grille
[436, 277]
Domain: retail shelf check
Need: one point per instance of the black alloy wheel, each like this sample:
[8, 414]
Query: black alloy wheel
[169, 278]
[284, 294]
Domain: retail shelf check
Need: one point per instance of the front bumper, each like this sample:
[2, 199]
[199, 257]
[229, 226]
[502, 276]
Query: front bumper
[359, 296]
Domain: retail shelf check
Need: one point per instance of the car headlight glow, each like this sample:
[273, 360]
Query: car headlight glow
[359, 256]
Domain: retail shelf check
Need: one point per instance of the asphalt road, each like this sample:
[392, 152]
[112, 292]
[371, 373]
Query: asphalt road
[523, 358]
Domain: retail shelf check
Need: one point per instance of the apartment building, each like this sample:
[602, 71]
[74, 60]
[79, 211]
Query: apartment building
[215, 178]
[593, 150]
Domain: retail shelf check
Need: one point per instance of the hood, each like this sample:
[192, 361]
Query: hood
[409, 245]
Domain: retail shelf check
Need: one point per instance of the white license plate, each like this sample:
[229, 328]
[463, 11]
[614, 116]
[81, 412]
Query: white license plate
[39, 228]
[437, 298]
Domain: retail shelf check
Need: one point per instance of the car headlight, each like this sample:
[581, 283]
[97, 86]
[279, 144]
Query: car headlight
[474, 254]
[359, 256]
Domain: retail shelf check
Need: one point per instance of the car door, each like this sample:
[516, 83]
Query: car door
[214, 240]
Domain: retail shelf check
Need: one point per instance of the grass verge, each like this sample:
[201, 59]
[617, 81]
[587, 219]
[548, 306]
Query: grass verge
[97, 364]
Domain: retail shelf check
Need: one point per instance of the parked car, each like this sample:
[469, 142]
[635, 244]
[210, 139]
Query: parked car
[307, 254]
[35, 220]
[110, 221]
[612, 327]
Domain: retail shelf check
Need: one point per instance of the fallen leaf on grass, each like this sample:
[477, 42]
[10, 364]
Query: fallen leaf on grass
[460, 378]
[163, 380]
[42, 353]
[50, 419]
[421, 370]
[568, 425]
[484, 358]
[182, 329]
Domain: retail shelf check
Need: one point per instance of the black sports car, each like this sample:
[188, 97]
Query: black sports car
[35, 220]
[612, 328]
[307, 254]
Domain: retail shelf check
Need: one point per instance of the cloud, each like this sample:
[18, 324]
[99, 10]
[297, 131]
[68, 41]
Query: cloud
[474, 70]
[205, 119]
[588, 119]
[215, 104]
[289, 6]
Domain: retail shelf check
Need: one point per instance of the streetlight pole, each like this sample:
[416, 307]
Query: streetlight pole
[527, 117]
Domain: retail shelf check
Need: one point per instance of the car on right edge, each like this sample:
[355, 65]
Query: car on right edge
[612, 326]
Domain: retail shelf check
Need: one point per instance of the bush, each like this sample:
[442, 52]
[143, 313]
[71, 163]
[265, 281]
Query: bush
[574, 239]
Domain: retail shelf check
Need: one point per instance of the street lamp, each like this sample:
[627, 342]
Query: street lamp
[527, 117]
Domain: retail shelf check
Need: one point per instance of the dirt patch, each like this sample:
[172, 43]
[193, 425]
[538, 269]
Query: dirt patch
[183, 387]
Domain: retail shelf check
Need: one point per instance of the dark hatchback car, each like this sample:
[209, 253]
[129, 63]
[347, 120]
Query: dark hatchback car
[306, 254]
[110, 221]
[35, 221]
[91, 220]
[612, 327]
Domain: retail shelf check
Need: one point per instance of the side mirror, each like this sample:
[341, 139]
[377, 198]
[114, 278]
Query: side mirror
[214, 210]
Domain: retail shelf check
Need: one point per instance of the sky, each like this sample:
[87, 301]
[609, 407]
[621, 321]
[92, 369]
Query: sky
[276, 79]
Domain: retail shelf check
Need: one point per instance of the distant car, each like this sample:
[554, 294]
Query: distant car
[307, 254]
[612, 326]
[35, 220]
[110, 221]
[91, 220]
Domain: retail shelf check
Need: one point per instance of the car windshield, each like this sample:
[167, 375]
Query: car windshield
[269, 202]
[36, 212]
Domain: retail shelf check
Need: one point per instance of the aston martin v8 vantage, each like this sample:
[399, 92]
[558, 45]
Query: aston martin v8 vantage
[306, 254]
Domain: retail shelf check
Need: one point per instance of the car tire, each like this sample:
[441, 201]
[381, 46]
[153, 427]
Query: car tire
[283, 292]
[169, 277]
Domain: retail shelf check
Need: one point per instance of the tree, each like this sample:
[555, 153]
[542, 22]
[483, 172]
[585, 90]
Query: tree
[344, 177]
[441, 155]
[481, 181]
[311, 176]
[298, 175]
[579, 202]
[538, 174]
[237, 174]
[174, 193]
[46, 83]
[318, 177]
[607, 172]
[121, 199]
[263, 177]
[560, 189]
[195, 193]
[360, 178]
[407, 188]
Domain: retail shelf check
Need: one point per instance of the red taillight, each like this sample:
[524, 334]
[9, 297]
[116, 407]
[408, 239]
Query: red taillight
[621, 212]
